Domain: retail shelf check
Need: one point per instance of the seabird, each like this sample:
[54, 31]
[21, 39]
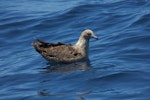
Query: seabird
[65, 53]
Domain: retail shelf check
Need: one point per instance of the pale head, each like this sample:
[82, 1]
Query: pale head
[87, 34]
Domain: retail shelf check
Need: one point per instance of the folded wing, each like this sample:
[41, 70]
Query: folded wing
[57, 53]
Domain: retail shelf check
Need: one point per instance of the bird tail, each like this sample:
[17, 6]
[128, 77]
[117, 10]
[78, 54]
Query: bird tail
[39, 45]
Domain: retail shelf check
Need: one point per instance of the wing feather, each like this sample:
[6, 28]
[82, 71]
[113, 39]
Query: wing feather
[58, 52]
[63, 53]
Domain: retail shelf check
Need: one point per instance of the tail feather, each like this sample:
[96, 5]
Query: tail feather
[40, 41]
[39, 45]
[42, 44]
[36, 47]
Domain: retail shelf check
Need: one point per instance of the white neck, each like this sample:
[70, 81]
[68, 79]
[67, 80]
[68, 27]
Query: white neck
[83, 45]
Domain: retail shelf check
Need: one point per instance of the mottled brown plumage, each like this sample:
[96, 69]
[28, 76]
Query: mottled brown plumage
[65, 53]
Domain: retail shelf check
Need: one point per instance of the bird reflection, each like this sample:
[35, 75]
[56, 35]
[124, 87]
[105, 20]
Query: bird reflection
[65, 68]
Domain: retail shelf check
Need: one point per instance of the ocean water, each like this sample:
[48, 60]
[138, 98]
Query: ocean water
[119, 66]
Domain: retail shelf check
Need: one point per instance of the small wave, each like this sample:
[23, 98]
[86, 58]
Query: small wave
[141, 21]
[122, 76]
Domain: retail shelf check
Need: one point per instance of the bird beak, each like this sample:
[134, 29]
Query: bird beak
[95, 37]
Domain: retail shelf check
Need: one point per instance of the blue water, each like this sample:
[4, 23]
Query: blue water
[119, 60]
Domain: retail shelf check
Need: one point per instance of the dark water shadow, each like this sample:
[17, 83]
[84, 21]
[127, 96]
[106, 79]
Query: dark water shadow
[76, 95]
[66, 68]
[44, 93]
[62, 69]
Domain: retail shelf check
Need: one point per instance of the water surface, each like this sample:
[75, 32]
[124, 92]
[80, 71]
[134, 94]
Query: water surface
[119, 61]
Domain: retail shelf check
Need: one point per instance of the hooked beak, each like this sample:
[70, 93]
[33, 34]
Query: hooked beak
[95, 37]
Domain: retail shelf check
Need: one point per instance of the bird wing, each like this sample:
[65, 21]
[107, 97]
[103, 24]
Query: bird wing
[61, 53]
[58, 52]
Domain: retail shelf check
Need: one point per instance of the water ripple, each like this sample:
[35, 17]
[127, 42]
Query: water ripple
[119, 61]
